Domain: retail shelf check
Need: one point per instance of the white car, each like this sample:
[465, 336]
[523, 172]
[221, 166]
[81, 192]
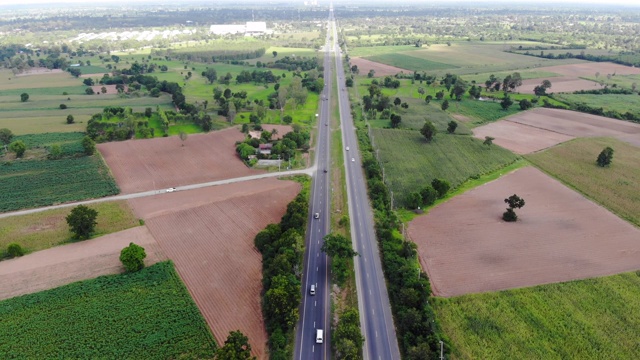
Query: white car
[171, 189]
[353, 159]
[347, 148]
[316, 216]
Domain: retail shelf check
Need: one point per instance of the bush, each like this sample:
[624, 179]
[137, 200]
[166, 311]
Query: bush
[605, 157]
[70, 119]
[132, 257]
[18, 147]
[63, 106]
[15, 250]
[509, 215]
[441, 187]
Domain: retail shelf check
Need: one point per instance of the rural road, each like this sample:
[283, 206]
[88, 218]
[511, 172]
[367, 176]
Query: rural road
[308, 171]
[376, 320]
[315, 309]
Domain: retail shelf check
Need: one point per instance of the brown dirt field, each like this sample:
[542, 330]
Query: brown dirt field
[111, 89]
[65, 264]
[541, 128]
[209, 233]
[590, 69]
[559, 84]
[140, 165]
[365, 65]
[39, 71]
[466, 247]
[519, 138]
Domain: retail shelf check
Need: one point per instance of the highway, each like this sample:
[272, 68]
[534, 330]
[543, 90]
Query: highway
[373, 300]
[315, 309]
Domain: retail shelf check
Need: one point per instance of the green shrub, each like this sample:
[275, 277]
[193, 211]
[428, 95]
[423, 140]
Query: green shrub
[132, 257]
[15, 250]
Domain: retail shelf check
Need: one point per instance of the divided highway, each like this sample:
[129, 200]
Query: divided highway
[315, 310]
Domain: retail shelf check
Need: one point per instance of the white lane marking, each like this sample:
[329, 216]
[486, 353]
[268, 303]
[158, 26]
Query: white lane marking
[376, 333]
[373, 311]
[314, 324]
[315, 303]
[316, 268]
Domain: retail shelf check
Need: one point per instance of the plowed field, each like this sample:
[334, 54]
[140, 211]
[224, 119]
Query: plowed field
[209, 234]
[381, 69]
[140, 165]
[541, 128]
[466, 247]
[559, 84]
[570, 81]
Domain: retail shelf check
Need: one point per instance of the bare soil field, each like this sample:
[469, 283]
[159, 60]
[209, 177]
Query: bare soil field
[365, 65]
[559, 84]
[65, 264]
[541, 128]
[590, 69]
[466, 247]
[140, 165]
[209, 234]
[39, 71]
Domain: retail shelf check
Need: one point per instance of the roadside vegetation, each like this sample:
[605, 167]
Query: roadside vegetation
[147, 314]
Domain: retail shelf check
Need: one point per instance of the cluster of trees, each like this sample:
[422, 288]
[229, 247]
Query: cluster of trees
[541, 90]
[509, 83]
[256, 76]
[293, 63]
[284, 148]
[339, 248]
[55, 151]
[582, 107]
[428, 195]
[236, 347]
[282, 248]
[418, 330]
[347, 338]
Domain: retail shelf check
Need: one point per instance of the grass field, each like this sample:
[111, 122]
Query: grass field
[409, 62]
[482, 112]
[619, 103]
[70, 142]
[532, 74]
[410, 163]
[587, 319]
[34, 183]
[379, 50]
[621, 81]
[46, 229]
[148, 314]
[615, 187]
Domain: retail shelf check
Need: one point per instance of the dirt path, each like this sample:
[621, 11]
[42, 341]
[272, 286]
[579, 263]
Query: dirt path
[65, 264]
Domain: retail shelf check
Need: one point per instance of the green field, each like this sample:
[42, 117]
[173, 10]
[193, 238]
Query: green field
[410, 163]
[588, 319]
[481, 112]
[49, 228]
[615, 187]
[619, 103]
[34, 183]
[379, 50]
[530, 74]
[144, 315]
[70, 142]
[409, 62]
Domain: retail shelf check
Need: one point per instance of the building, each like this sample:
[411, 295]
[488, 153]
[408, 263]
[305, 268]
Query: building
[251, 28]
[265, 149]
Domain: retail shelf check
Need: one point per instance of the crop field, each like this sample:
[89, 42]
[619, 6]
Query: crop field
[621, 81]
[49, 228]
[559, 236]
[14, 94]
[620, 103]
[562, 84]
[526, 75]
[147, 314]
[615, 187]
[41, 80]
[282, 52]
[70, 142]
[587, 319]
[481, 112]
[410, 162]
[34, 183]
[209, 233]
[409, 62]
[587, 69]
[379, 50]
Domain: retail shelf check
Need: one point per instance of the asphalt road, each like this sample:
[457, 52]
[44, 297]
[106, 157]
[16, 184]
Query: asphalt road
[373, 300]
[315, 309]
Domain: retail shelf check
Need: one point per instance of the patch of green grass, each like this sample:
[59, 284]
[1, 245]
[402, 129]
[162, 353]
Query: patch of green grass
[531, 74]
[34, 183]
[481, 112]
[619, 103]
[379, 50]
[409, 62]
[587, 319]
[49, 228]
[186, 128]
[147, 314]
[614, 187]
[46, 80]
[70, 142]
[410, 162]
[14, 94]
[92, 69]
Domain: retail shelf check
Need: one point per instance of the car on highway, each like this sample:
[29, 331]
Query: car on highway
[316, 216]
[319, 336]
[312, 290]
[171, 189]
[353, 159]
[347, 148]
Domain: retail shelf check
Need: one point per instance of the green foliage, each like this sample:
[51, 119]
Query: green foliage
[82, 221]
[18, 147]
[605, 157]
[88, 145]
[452, 126]
[414, 63]
[15, 250]
[428, 130]
[347, 338]
[55, 152]
[63, 106]
[70, 119]
[28, 184]
[525, 104]
[441, 187]
[488, 140]
[585, 319]
[70, 142]
[506, 102]
[144, 315]
[24, 97]
[337, 245]
[509, 215]
[236, 347]
[5, 136]
[445, 105]
[515, 202]
[132, 257]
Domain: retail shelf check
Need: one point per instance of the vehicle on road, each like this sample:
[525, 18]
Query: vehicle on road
[171, 189]
[319, 336]
[316, 216]
[353, 159]
[325, 170]
[347, 148]
[312, 290]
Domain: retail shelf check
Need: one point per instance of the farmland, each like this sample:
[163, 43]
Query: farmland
[410, 163]
[35, 183]
[615, 187]
[147, 314]
[46, 229]
[409, 62]
[70, 142]
[619, 103]
[586, 319]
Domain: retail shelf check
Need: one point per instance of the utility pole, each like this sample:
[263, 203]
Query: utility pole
[441, 350]
[278, 162]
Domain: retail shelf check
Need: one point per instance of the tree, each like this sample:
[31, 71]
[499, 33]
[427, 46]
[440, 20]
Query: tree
[24, 97]
[5, 137]
[525, 104]
[441, 187]
[428, 131]
[452, 126]
[63, 106]
[183, 137]
[287, 119]
[445, 105]
[395, 120]
[514, 202]
[88, 82]
[88, 145]
[15, 250]
[488, 140]
[211, 75]
[275, 53]
[605, 157]
[336, 245]
[349, 82]
[70, 119]
[82, 221]
[397, 101]
[236, 347]
[75, 71]
[132, 257]
[89, 91]
[428, 195]
[506, 102]
[18, 147]
[55, 152]
[155, 93]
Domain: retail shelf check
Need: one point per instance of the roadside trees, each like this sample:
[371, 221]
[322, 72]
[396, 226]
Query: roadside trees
[132, 257]
[428, 131]
[82, 221]
[605, 157]
[514, 202]
[339, 249]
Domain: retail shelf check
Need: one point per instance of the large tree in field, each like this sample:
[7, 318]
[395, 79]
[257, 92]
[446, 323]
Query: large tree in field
[210, 74]
[236, 347]
[605, 157]
[515, 202]
[5, 137]
[452, 126]
[82, 221]
[428, 131]
[18, 147]
[24, 97]
[132, 257]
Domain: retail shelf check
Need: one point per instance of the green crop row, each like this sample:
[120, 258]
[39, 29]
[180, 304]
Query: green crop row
[70, 142]
[144, 315]
[34, 183]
